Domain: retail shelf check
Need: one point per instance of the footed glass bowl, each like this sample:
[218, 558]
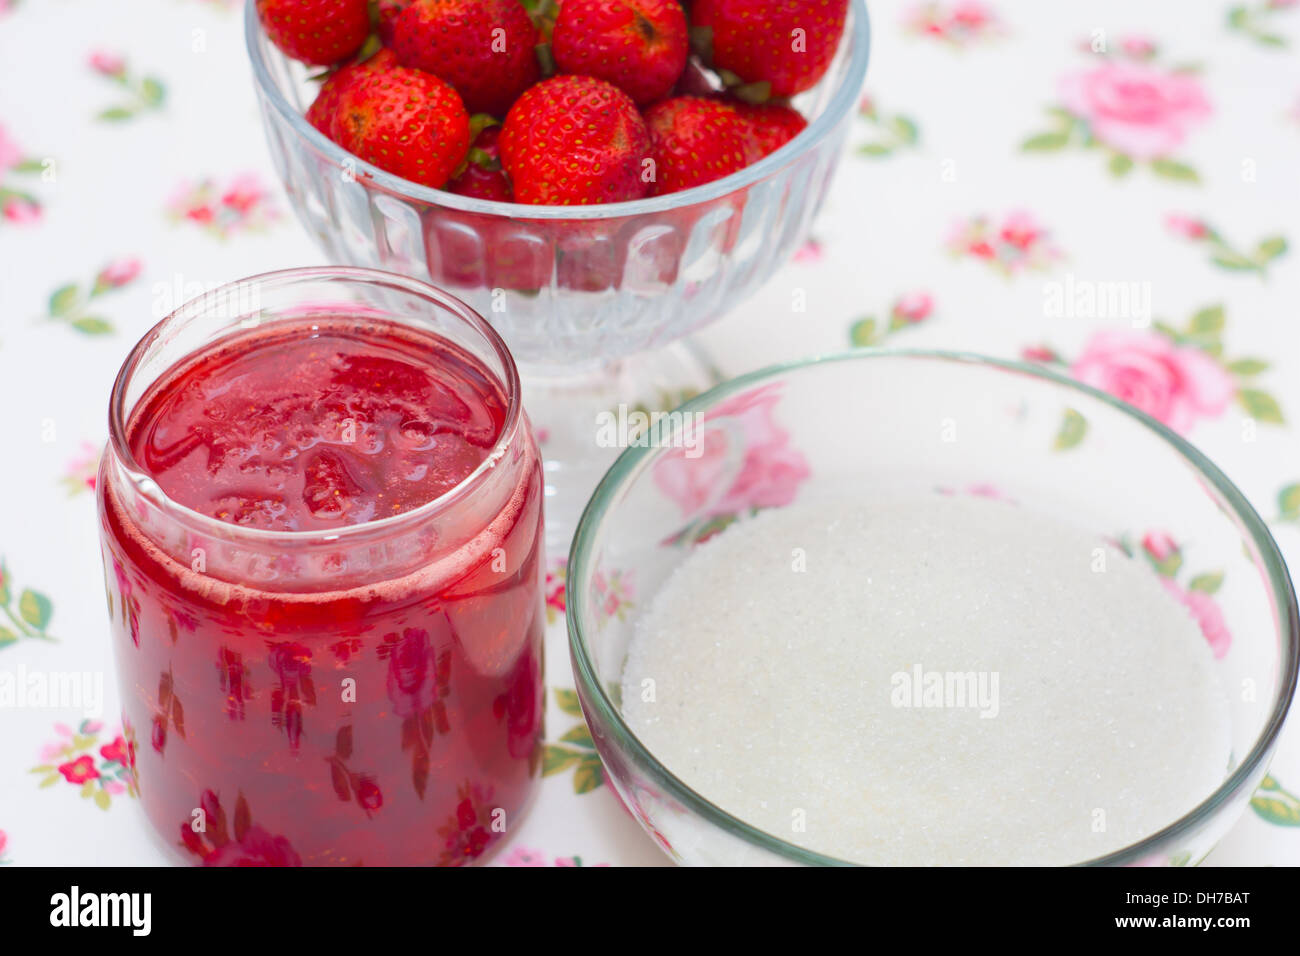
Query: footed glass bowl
[572, 290]
[880, 420]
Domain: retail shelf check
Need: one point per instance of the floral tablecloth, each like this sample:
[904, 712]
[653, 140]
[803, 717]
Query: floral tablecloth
[1106, 186]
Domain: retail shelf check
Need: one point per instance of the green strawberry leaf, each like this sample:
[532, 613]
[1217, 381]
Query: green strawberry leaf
[1208, 322]
[581, 736]
[1072, 431]
[555, 759]
[905, 129]
[1270, 248]
[1045, 142]
[93, 325]
[1208, 583]
[875, 149]
[116, 114]
[1288, 500]
[589, 776]
[35, 608]
[152, 91]
[1276, 805]
[863, 332]
[1234, 261]
[1174, 170]
[1261, 406]
[1246, 367]
[63, 299]
[568, 702]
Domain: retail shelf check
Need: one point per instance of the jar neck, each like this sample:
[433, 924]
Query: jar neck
[438, 535]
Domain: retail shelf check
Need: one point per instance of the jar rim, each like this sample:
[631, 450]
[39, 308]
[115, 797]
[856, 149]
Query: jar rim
[145, 485]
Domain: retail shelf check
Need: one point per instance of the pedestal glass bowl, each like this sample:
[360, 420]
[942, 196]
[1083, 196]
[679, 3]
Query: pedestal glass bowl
[574, 291]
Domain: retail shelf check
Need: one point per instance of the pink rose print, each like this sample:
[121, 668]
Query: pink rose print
[893, 132]
[249, 845]
[144, 93]
[243, 205]
[1176, 385]
[1128, 106]
[1208, 615]
[958, 24]
[809, 253]
[118, 273]
[769, 474]
[80, 770]
[81, 471]
[1139, 111]
[914, 307]
[1224, 254]
[4, 838]
[1255, 22]
[17, 205]
[109, 64]
[1159, 545]
[1166, 558]
[522, 856]
[556, 576]
[1016, 244]
[1176, 375]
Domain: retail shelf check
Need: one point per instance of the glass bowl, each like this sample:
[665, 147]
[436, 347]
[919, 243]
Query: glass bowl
[957, 424]
[572, 290]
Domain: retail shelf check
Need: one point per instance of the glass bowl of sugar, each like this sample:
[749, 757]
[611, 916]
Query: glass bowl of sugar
[923, 608]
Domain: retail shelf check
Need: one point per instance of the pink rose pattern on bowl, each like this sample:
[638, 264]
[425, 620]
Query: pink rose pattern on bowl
[709, 489]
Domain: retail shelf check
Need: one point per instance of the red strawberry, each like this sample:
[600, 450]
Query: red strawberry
[695, 141]
[638, 45]
[316, 31]
[574, 140]
[483, 177]
[486, 49]
[407, 122]
[324, 108]
[388, 11]
[771, 125]
[788, 44]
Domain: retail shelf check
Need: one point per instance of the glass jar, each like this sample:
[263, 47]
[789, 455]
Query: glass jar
[368, 694]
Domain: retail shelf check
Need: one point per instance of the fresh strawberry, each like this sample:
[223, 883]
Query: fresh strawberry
[573, 140]
[407, 122]
[320, 32]
[785, 44]
[638, 45]
[483, 177]
[486, 49]
[324, 108]
[771, 125]
[388, 11]
[695, 141]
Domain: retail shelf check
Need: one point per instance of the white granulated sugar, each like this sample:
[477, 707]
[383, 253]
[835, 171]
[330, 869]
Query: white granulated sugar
[778, 692]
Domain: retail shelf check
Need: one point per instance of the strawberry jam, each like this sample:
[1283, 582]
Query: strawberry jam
[322, 543]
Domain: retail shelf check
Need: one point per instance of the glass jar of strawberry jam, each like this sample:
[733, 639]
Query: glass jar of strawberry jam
[321, 516]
